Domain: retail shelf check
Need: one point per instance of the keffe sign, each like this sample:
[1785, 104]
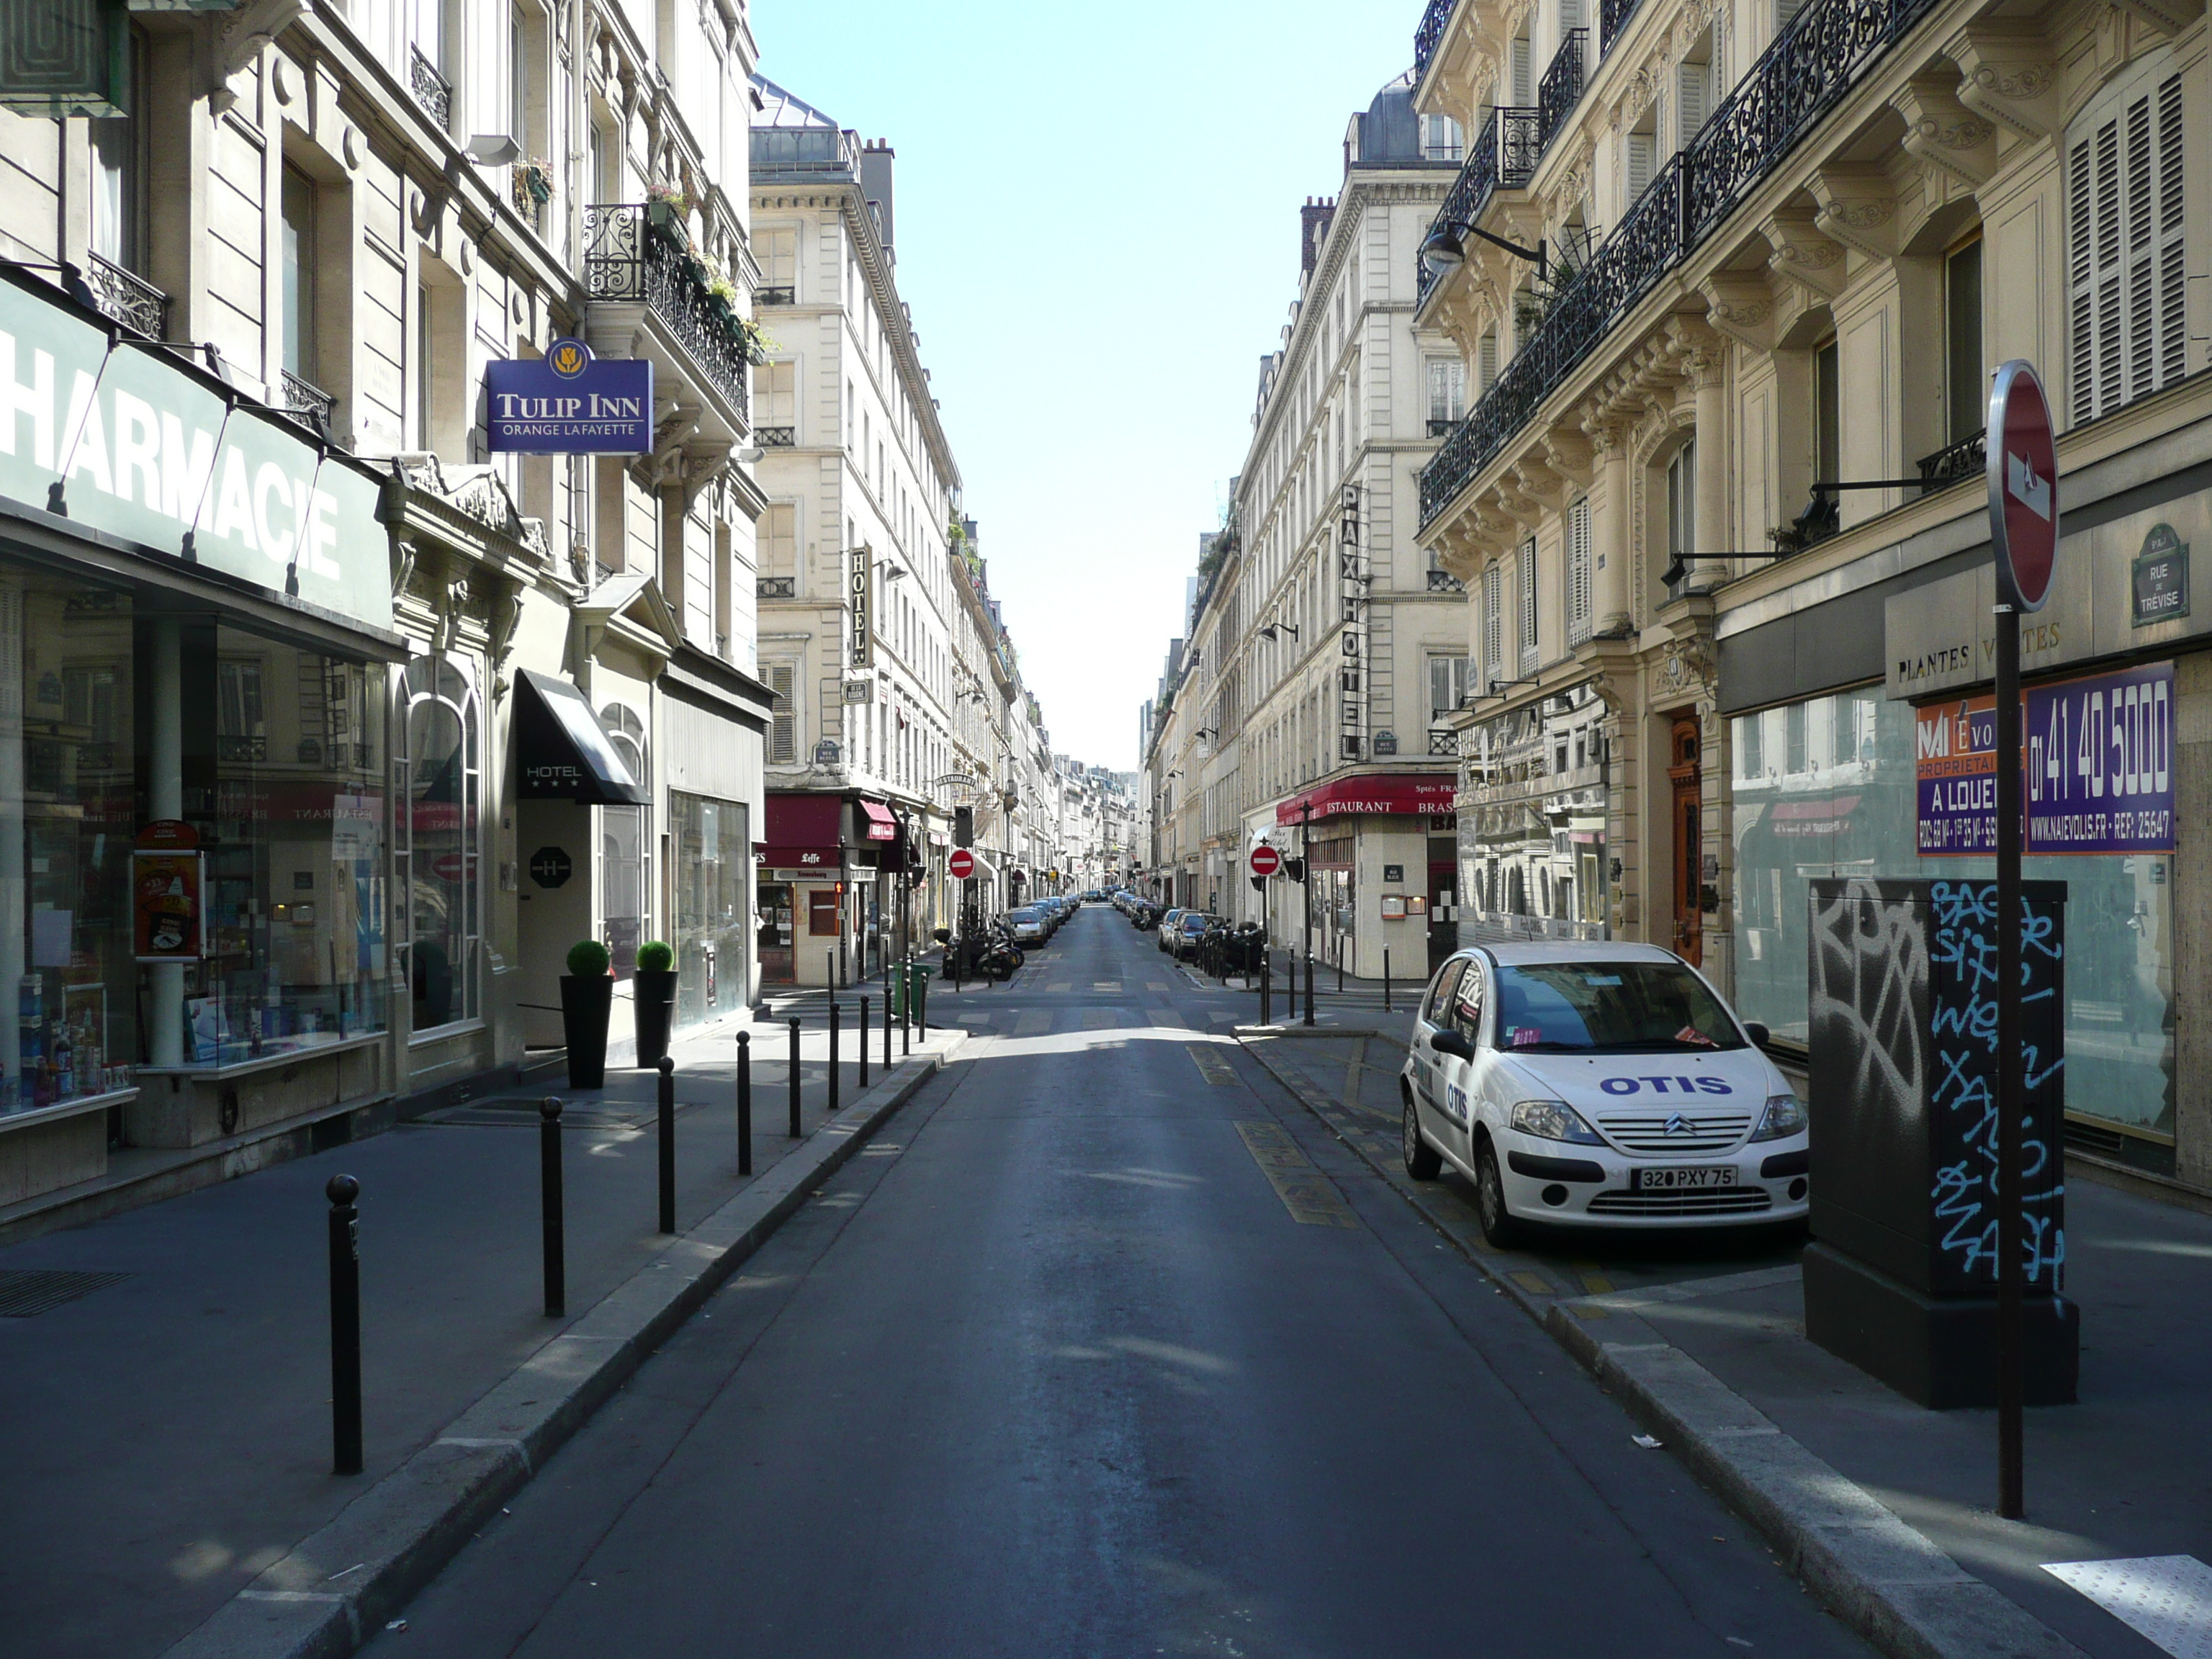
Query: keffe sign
[570, 402]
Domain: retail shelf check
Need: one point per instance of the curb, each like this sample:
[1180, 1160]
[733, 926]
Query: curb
[1876, 1574]
[391, 1540]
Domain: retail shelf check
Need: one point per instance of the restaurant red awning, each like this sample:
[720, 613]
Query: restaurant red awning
[1402, 793]
[876, 822]
[1821, 816]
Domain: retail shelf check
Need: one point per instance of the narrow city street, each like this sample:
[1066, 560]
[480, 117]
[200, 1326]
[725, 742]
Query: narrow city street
[1106, 1345]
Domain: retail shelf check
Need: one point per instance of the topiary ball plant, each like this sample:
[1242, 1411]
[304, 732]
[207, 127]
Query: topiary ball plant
[655, 958]
[588, 959]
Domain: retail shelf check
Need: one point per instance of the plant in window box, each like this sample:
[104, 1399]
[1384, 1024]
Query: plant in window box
[652, 990]
[666, 206]
[533, 184]
[759, 344]
[587, 997]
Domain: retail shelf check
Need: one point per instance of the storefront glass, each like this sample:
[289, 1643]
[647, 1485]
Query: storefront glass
[625, 847]
[1826, 787]
[1532, 831]
[713, 863]
[438, 862]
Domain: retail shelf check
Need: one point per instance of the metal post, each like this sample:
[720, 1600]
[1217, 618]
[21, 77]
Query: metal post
[1267, 989]
[745, 1103]
[667, 1145]
[1306, 887]
[549, 1203]
[1339, 967]
[921, 1006]
[905, 991]
[860, 1031]
[2012, 1502]
[1310, 1013]
[794, 1079]
[830, 965]
[834, 1013]
[912, 993]
[1386, 979]
[345, 1324]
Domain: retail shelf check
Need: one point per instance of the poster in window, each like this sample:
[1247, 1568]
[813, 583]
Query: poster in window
[168, 886]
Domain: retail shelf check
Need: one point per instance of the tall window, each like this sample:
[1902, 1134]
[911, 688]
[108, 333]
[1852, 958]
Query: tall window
[2126, 240]
[436, 861]
[1440, 138]
[518, 78]
[1526, 580]
[1827, 413]
[779, 257]
[1965, 387]
[118, 172]
[1523, 73]
[1637, 150]
[626, 848]
[1493, 623]
[298, 257]
[1446, 394]
[1578, 571]
[1447, 686]
[783, 734]
[1682, 503]
[1693, 97]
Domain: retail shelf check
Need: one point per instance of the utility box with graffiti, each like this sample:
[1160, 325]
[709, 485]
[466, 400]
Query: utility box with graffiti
[1901, 1276]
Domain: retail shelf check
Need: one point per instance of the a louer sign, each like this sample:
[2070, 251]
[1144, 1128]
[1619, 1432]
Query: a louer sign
[112, 434]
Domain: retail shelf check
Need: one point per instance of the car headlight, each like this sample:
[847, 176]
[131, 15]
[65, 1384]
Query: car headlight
[1785, 1116]
[1552, 1120]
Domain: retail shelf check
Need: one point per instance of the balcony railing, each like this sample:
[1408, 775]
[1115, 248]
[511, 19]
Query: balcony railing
[1561, 88]
[432, 90]
[627, 259]
[1430, 35]
[308, 405]
[1443, 581]
[124, 297]
[1439, 427]
[814, 152]
[776, 587]
[1612, 17]
[775, 437]
[777, 293]
[1502, 156]
[1826, 51]
[1967, 458]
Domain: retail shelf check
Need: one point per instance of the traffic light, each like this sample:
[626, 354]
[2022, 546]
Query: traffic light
[964, 826]
[1295, 869]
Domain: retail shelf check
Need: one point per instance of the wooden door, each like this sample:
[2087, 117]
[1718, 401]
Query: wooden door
[1688, 838]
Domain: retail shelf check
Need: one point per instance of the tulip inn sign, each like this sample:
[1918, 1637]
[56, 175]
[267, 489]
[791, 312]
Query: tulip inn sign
[115, 435]
[570, 402]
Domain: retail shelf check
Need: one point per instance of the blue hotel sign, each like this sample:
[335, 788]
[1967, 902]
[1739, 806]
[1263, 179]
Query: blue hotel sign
[570, 402]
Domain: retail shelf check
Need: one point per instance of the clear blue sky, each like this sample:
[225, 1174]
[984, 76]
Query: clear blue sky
[1098, 215]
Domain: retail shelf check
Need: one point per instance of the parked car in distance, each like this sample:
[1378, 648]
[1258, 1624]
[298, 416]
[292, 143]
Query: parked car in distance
[1598, 1084]
[1029, 925]
[1167, 935]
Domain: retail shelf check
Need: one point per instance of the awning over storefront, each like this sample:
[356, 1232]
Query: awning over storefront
[563, 752]
[804, 832]
[875, 821]
[1403, 793]
[1827, 815]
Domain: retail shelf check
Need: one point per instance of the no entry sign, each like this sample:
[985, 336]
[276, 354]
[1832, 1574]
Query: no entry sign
[962, 863]
[1266, 860]
[2023, 473]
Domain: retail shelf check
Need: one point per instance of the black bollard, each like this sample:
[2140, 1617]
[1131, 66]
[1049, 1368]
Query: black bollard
[548, 1206]
[1339, 968]
[922, 1006]
[667, 1145]
[345, 1325]
[1266, 991]
[1291, 986]
[834, 1013]
[745, 1103]
[794, 1079]
[860, 1031]
[1386, 980]
[906, 1006]
[1310, 1014]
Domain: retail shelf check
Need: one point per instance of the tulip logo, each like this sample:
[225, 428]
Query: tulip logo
[569, 358]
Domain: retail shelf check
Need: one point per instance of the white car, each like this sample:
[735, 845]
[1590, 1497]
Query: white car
[1599, 1084]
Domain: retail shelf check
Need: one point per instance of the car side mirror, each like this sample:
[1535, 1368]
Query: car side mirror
[1452, 1043]
[1758, 1033]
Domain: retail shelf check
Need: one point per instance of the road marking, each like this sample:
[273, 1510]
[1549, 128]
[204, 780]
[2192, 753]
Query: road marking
[1038, 1022]
[1101, 1019]
[1154, 985]
[1058, 987]
[1310, 1196]
[1535, 1284]
[1167, 1017]
[1113, 985]
[2165, 1599]
[1593, 1280]
[1212, 1065]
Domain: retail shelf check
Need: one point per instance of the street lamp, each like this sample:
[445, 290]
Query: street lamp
[1444, 250]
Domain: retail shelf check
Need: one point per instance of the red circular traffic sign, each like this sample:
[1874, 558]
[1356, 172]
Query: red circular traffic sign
[448, 866]
[1266, 860]
[2023, 474]
[962, 863]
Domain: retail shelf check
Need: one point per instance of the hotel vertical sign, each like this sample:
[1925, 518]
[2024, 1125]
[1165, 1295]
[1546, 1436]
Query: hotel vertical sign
[860, 591]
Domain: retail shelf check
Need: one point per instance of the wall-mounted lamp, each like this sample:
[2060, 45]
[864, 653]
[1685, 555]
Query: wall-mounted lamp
[1444, 249]
[494, 150]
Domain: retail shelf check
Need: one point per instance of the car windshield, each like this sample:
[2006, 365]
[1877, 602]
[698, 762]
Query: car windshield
[1193, 924]
[1025, 916]
[1631, 1007]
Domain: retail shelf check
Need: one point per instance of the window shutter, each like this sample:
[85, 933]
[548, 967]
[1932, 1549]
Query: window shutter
[1786, 12]
[1486, 357]
[783, 738]
[1639, 146]
[1523, 81]
[1528, 583]
[2126, 255]
[1692, 81]
[1493, 621]
[1578, 570]
[1570, 16]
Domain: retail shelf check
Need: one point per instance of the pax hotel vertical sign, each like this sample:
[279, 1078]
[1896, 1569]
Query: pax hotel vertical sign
[860, 590]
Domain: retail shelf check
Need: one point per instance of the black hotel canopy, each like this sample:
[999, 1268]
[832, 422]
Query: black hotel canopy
[563, 752]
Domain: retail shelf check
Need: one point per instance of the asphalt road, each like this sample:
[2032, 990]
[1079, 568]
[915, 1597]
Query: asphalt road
[1107, 1347]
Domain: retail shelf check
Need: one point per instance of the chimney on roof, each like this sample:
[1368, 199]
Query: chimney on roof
[876, 159]
[1313, 230]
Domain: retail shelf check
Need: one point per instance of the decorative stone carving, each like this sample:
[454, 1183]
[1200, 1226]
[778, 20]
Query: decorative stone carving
[1857, 207]
[1570, 453]
[1741, 305]
[233, 39]
[2008, 78]
[1803, 255]
[1942, 132]
[1688, 665]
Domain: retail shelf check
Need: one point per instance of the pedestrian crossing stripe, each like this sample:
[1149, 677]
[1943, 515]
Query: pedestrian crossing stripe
[1101, 1019]
[1310, 1196]
[1211, 1063]
[1113, 985]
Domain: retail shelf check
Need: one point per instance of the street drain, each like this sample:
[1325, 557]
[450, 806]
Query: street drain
[25, 1293]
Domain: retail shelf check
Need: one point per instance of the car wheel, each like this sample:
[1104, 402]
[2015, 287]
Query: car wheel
[1498, 1226]
[1423, 1161]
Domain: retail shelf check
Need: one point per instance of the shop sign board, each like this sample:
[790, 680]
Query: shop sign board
[113, 434]
[551, 866]
[569, 403]
[860, 591]
[2099, 754]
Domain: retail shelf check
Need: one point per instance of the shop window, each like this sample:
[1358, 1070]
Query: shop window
[713, 849]
[438, 866]
[626, 848]
[2127, 245]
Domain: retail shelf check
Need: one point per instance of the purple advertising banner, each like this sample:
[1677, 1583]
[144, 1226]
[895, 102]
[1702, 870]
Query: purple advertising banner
[2099, 769]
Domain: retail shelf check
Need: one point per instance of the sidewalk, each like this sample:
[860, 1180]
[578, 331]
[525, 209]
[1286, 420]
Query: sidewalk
[2123, 1474]
[167, 1436]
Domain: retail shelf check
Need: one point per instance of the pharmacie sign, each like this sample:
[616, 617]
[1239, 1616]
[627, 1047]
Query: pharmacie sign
[2100, 768]
[569, 403]
[114, 434]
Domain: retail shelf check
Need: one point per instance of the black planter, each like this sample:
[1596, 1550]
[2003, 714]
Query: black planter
[652, 992]
[584, 1006]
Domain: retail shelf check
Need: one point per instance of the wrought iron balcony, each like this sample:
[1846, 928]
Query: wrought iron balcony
[1439, 427]
[626, 258]
[1561, 87]
[1612, 17]
[124, 297]
[804, 152]
[776, 587]
[1443, 581]
[779, 294]
[1444, 743]
[775, 437]
[1502, 156]
[432, 90]
[1827, 50]
[1967, 458]
[308, 405]
[1430, 35]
